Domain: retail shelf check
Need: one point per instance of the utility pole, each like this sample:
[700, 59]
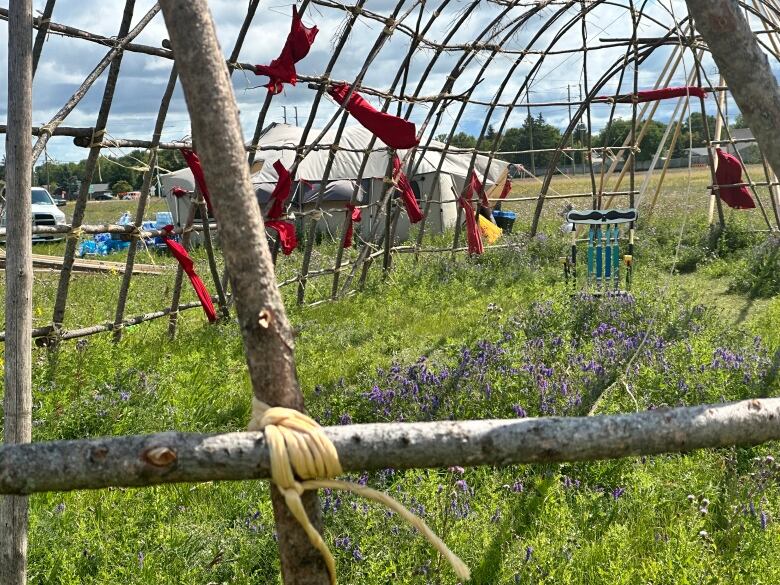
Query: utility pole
[296, 116]
[571, 135]
[582, 138]
[530, 130]
[284, 109]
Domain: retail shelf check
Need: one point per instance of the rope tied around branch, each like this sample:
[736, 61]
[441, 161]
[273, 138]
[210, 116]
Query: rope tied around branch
[298, 447]
[97, 138]
[75, 233]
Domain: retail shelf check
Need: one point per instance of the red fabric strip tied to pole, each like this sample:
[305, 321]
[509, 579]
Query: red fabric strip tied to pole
[287, 238]
[296, 47]
[407, 193]
[355, 215]
[652, 95]
[729, 172]
[507, 188]
[281, 191]
[193, 161]
[181, 255]
[473, 236]
[475, 186]
[178, 192]
[392, 130]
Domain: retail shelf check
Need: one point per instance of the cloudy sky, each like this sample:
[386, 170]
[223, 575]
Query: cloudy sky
[66, 62]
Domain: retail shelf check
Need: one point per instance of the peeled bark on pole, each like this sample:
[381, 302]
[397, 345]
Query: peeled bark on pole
[745, 68]
[142, 460]
[17, 402]
[268, 337]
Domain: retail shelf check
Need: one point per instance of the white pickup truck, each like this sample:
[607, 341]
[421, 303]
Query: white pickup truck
[44, 212]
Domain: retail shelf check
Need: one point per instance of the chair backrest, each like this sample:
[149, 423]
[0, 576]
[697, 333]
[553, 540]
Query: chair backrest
[603, 253]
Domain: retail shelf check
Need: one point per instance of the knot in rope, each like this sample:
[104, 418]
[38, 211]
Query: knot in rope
[299, 448]
[97, 138]
[75, 233]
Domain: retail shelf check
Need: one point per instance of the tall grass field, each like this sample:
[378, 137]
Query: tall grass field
[443, 337]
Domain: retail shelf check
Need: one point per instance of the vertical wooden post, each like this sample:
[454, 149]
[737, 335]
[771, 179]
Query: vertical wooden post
[141, 209]
[17, 403]
[718, 133]
[268, 337]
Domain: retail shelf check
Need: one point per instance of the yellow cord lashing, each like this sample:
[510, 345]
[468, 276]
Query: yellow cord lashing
[298, 446]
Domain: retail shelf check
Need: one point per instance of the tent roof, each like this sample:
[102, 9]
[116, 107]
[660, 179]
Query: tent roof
[346, 164]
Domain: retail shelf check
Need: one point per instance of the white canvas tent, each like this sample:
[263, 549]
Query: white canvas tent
[344, 172]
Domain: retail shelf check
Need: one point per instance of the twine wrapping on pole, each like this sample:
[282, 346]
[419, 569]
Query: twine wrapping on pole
[298, 447]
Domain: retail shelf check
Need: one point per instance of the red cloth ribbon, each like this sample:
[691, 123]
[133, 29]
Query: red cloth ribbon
[287, 237]
[355, 215]
[180, 253]
[729, 172]
[473, 235]
[664, 93]
[281, 191]
[392, 130]
[507, 188]
[475, 186]
[193, 161]
[407, 193]
[178, 191]
[296, 47]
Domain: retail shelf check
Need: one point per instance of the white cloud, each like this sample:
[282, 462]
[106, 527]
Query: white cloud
[66, 62]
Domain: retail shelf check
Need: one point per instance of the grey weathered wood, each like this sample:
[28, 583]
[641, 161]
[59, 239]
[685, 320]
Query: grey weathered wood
[124, 288]
[61, 300]
[745, 68]
[182, 457]
[43, 29]
[68, 31]
[107, 326]
[62, 113]
[268, 337]
[17, 402]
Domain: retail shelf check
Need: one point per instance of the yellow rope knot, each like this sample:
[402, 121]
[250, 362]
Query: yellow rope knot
[298, 446]
[75, 233]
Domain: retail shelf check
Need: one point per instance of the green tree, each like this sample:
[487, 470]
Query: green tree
[121, 186]
[459, 140]
[615, 135]
[739, 122]
[536, 130]
[693, 132]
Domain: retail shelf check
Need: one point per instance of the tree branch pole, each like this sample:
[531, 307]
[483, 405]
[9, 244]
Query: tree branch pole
[79, 210]
[142, 460]
[745, 68]
[268, 337]
[146, 186]
[17, 402]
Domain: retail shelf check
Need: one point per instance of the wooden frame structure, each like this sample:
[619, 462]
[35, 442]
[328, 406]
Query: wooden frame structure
[267, 334]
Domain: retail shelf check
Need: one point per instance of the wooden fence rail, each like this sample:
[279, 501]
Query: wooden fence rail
[143, 460]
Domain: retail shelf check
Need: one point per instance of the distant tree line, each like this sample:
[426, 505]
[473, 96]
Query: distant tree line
[537, 134]
[123, 173]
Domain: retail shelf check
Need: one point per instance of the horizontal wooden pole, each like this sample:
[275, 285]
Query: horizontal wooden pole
[74, 131]
[47, 330]
[69, 31]
[184, 457]
[106, 228]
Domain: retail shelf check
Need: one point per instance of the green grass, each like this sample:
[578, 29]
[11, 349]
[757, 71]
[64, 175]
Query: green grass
[567, 523]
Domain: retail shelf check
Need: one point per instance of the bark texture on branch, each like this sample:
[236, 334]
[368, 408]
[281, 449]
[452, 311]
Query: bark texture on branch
[268, 339]
[17, 402]
[744, 66]
[177, 457]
